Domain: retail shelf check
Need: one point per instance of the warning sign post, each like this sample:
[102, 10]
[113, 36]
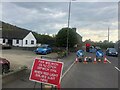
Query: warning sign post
[46, 71]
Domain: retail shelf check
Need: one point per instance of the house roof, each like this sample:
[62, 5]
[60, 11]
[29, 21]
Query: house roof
[13, 32]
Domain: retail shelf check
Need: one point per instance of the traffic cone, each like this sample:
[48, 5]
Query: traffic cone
[85, 60]
[105, 60]
[95, 61]
[76, 60]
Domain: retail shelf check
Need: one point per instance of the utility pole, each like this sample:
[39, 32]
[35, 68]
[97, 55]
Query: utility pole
[67, 48]
[108, 34]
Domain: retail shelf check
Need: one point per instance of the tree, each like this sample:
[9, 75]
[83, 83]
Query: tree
[89, 41]
[46, 39]
[61, 38]
[100, 42]
[105, 41]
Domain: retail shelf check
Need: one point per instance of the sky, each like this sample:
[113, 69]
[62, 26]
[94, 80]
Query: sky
[91, 19]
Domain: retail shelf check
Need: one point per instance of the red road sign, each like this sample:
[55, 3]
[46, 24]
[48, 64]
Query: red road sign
[46, 71]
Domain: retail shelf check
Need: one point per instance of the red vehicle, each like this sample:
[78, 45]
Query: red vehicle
[5, 65]
[87, 47]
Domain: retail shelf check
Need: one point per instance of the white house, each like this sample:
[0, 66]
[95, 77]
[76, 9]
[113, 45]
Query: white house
[20, 38]
[28, 41]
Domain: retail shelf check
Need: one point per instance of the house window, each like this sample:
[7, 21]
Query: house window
[32, 41]
[26, 42]
[3, 40]
[17, 41]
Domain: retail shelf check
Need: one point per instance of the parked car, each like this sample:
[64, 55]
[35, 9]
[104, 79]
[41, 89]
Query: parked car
[6, 46]
[97, 48]
[111, 52]
[92, 49]
[44, 49]
[5, 65]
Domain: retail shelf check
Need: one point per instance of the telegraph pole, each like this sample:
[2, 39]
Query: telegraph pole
[68, 27]
[108, 34]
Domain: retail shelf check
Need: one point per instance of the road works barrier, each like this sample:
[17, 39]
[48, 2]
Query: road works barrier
[16, 74]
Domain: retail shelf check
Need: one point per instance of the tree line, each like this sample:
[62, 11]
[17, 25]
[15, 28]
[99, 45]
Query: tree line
[60, 39]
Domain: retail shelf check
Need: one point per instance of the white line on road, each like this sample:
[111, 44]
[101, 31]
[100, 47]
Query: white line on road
[117, 68]
[68, 69]
[108, 61]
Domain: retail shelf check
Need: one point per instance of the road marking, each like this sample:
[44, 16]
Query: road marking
[108, 61]
[68, 69]
[117, 69]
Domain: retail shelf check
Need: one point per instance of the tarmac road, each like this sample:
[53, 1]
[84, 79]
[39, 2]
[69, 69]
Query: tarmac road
[91, 75]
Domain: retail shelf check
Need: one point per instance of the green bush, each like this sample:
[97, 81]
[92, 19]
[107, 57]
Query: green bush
[105, 45]
[62, 54]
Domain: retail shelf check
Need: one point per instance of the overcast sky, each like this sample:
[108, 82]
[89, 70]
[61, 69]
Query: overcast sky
[91, 19]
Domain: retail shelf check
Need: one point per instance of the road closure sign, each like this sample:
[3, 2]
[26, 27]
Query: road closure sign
[46, 71]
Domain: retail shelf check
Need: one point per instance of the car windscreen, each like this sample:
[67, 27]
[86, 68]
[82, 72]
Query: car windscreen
[112, 50]
[43, 47]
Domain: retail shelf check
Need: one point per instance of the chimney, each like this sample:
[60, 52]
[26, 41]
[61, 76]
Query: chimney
[74, 29]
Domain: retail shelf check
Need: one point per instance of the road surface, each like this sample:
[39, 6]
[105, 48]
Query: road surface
[92, 75]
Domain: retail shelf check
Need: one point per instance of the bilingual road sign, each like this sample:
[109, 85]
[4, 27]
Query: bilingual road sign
[46, 71]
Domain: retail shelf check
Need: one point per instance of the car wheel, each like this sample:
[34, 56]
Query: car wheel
[46, 52]
[116, 55]
[50, 51]
[5, 68]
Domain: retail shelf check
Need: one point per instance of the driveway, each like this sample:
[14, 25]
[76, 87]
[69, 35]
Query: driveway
[19, 58]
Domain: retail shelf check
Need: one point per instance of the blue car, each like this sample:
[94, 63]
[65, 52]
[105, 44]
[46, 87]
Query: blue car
[44, 49]
[92, 49]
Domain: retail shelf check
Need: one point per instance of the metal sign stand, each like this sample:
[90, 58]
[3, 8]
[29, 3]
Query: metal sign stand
[41, 86]
[34, 85]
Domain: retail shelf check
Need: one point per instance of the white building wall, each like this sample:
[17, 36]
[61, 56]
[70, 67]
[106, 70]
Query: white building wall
[15, 42]
[1, 41]
[29, 37]
[6, 40]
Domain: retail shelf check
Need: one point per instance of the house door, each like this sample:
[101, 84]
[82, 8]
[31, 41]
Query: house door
[10, 41]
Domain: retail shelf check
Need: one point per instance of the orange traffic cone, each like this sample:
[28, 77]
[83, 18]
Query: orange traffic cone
[76, 60]
[95, 61]
[85, 60]
[105, 60]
